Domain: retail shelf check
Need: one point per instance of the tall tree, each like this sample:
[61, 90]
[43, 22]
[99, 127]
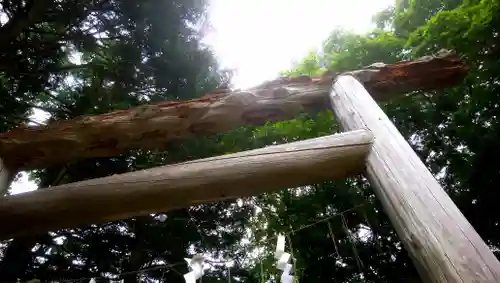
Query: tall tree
[72, 58]
[131, 56]
[460, 130]
[454, 131]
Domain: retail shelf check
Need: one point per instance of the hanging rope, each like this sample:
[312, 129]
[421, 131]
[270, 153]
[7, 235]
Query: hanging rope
[359, 263]
[332, 236]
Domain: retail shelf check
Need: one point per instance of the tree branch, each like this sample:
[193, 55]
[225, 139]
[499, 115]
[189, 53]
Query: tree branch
[31, 13]
[66, 68]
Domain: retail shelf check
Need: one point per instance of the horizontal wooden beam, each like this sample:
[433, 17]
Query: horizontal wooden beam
[163, 188]
[152, 126]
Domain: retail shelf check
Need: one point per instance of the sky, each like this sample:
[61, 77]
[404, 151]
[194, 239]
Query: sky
[260, 38]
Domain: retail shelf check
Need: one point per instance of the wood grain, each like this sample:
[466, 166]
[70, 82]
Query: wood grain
[153, 126]
[442, 243]
[182, 185]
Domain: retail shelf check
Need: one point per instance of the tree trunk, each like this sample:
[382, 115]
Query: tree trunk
[6, 177]
[135, 262]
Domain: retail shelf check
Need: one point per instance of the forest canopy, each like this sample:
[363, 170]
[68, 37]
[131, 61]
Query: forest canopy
[70, 58]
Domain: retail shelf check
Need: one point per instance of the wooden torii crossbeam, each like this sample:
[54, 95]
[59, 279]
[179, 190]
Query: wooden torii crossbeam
[181, 185]
[443, 245]
[152, 126]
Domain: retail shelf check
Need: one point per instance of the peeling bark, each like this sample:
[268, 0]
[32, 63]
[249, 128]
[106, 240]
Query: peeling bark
[153, 126]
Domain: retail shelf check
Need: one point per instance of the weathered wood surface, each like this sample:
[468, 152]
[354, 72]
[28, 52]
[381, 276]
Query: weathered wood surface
[442, 243]
[152, 126]
[182, 185]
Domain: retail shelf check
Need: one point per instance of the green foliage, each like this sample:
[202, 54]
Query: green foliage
[461, 129]
[310, 65]
[151, 52]
[130, 52]
[347, 51]
[455, 28]
[454, 131]
[412, 14]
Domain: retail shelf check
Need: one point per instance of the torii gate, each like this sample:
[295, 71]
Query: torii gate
[443, 245]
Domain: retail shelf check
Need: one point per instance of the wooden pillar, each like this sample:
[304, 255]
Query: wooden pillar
[440, 240]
